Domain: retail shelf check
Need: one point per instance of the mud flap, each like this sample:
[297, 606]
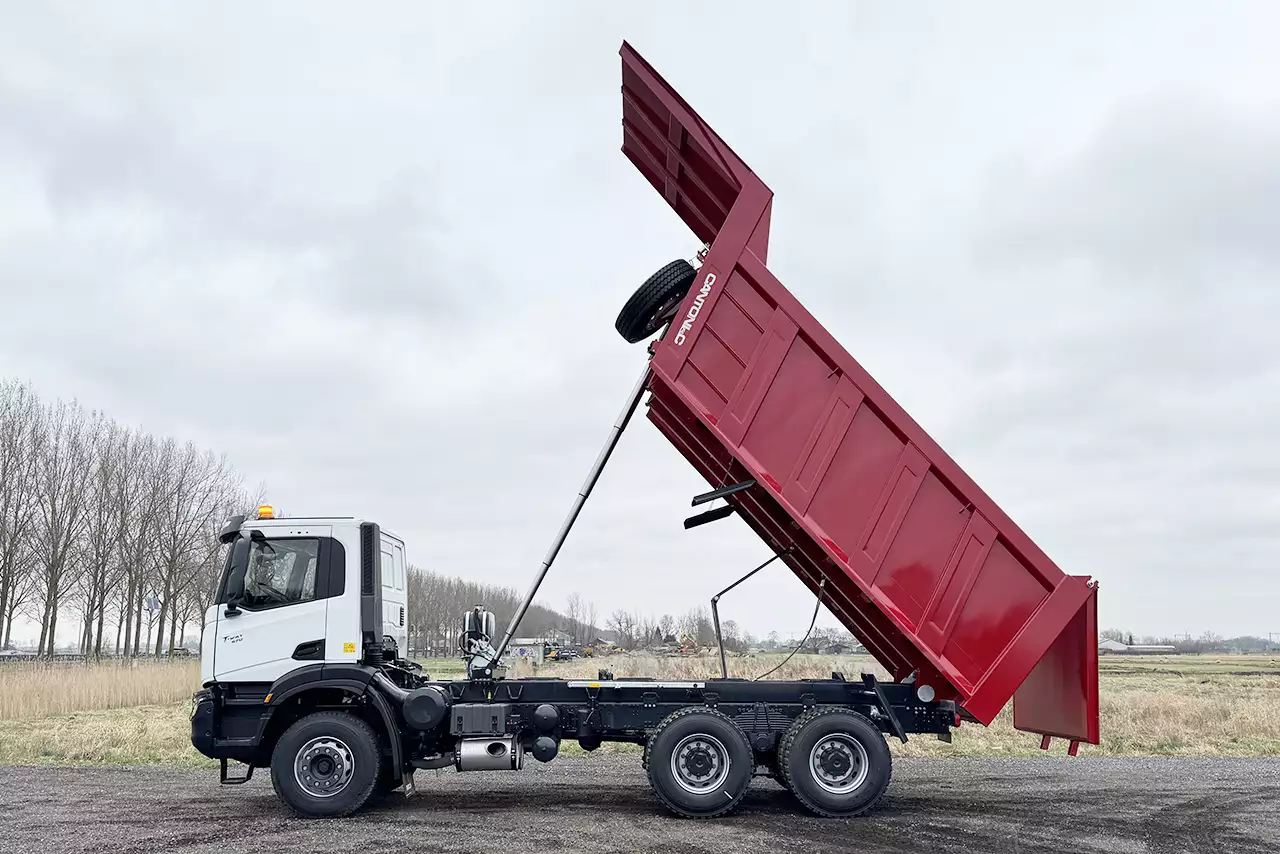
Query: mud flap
[1059, 698]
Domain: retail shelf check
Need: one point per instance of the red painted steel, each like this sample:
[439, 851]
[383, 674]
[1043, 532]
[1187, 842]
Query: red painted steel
[916, 560]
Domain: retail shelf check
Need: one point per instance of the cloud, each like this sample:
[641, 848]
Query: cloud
[376, 258]
[1171, 184]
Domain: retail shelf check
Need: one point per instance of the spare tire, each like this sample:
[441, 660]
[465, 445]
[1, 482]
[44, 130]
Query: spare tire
[651, 306]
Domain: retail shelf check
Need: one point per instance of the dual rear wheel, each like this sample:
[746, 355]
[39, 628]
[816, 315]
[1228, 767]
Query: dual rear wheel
[835, 761]
[699, 763]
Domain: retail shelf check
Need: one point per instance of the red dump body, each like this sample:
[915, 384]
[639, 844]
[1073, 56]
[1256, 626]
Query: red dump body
[912, 557]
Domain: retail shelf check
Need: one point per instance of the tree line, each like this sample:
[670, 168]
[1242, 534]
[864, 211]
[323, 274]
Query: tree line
[106, 526]
[635, 630]
[437, 603]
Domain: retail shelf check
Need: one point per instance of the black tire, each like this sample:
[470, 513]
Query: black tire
[851, 742]
[343, 753]
[649, 307]
[775, 771]
[720, 755]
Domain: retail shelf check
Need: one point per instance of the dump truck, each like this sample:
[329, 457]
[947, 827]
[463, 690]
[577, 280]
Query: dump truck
[303, 653]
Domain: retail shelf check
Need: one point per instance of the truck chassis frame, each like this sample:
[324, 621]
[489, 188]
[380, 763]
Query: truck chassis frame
[493, 724]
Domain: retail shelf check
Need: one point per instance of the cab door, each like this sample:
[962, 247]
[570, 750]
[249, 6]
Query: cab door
[280, 623]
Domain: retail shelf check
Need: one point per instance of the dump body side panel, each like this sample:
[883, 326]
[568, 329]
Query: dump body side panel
[908, 552]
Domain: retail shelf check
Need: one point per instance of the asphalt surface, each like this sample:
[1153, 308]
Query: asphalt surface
[602, 803]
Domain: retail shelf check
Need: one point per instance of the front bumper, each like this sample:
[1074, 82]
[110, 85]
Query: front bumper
[227, 731]
[203, 723]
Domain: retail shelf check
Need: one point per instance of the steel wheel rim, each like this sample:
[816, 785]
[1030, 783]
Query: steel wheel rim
[664, 313]
[839, 763]
[323, 766]
[700, 763]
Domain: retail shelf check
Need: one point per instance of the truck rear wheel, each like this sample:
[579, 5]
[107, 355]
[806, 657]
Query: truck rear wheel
[326, 764]
[775, 771]
[652, 305]
[835, 762]
[699, 763]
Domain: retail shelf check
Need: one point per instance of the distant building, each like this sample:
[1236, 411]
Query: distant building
[16, 655]
[1118, 648]
[526, 649]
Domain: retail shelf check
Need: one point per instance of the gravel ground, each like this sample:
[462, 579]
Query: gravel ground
[602, 803]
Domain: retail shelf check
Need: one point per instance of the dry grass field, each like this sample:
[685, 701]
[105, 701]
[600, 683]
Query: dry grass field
[34, 690]
[1167, 705]
[111, 712]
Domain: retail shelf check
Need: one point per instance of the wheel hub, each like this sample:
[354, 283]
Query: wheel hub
[323, 766]
[700, 763]
[835, 762]
[839, 763]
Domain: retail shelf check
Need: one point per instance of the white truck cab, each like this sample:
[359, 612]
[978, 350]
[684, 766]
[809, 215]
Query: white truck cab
[285, 600]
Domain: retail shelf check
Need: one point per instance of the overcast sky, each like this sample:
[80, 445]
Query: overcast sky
[374, 254]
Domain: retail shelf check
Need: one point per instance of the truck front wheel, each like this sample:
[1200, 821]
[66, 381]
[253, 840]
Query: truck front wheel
[326, 764]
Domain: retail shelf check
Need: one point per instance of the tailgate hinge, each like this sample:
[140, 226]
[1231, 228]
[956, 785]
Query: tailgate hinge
[869, 680]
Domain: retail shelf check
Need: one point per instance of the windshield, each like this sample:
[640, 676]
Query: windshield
[280, 572]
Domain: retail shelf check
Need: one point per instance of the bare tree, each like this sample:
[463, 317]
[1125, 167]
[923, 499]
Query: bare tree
[192, 489]
[646, 631]
[731, 634]
[20, 422]
[696, 626]
[102, 530]
[63, 471]
[624, 626]
[573, 610]
[133, 510]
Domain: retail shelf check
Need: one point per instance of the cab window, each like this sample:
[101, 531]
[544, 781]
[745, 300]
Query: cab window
[400, 573]
[280, 572]
[388, 566]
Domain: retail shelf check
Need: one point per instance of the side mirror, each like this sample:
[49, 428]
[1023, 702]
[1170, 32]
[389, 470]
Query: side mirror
[235, 579]
[232, 529]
